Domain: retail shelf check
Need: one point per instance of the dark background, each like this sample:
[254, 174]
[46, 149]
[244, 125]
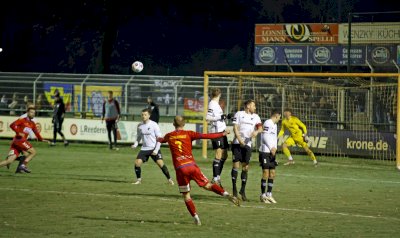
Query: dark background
[169, 37]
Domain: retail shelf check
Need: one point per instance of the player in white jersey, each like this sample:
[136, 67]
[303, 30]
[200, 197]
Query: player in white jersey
[216, 118]
[246, 126]
[149, 131]
[267, 154]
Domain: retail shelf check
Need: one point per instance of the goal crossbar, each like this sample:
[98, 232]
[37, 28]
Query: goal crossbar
[208, 74]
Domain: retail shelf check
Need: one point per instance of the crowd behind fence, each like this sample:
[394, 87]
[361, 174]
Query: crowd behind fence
[323, 107]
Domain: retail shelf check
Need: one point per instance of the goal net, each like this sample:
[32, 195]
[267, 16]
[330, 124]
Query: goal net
[346, 114]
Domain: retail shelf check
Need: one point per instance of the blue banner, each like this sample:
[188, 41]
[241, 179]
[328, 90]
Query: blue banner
[376, 55]
[382, 55]
[294, 55]
[336, 55]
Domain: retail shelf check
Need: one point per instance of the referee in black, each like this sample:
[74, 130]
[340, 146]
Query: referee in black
[58, 119]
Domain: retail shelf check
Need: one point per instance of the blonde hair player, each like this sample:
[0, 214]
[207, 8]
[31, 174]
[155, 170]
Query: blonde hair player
[180, 145]
[298, 135]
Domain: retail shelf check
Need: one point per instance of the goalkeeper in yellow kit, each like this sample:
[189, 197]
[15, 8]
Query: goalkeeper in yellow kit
[298, 135]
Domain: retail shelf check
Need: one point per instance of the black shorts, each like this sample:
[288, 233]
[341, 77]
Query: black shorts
[145, 154]
[241, 154]
[111, 125]
[267, 161]
[220, 143]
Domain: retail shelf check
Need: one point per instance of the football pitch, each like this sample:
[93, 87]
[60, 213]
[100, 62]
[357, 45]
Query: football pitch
[85, 190]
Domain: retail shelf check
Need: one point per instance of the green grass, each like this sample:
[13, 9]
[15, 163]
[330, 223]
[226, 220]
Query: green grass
[86, 191]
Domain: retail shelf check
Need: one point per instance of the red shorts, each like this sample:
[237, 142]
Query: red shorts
[191, 172]
[19, 145]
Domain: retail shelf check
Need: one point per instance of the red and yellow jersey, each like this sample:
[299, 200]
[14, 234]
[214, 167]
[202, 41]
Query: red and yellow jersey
[25, 126]
[180, 145]
[295, 127]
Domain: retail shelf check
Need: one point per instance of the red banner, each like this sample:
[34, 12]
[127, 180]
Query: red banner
[193, 107]
[312, 33]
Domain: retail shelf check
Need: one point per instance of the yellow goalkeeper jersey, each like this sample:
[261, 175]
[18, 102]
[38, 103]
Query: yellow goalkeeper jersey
[295, 127]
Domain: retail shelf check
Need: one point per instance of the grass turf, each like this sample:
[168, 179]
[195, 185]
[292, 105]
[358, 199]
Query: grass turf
[85, 190]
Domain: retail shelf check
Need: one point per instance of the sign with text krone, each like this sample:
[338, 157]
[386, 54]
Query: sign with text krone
[370, 33]
[296, 33]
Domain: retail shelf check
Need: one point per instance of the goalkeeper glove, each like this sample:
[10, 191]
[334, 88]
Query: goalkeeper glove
[305, 138]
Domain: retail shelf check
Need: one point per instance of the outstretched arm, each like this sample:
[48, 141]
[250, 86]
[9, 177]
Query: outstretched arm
[282, 131]
[302, 126]
[197, 135]
[37, 134]
[162, 139]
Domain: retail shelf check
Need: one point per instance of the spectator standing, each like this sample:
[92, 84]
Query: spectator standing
[13, 105]
[111, 113]
[58, 119]
[155, 111]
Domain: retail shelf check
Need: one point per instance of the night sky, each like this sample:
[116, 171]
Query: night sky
[169, 37]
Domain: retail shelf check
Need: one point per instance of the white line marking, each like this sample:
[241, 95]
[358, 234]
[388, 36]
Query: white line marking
[340, 178]
[334, 178]
[202, 202]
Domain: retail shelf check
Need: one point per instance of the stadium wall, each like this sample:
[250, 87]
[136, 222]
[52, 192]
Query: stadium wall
[84, 129]
[321, 141]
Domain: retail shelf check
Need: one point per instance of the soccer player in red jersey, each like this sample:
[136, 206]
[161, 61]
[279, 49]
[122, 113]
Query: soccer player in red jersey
[180, 145]
[23, 127]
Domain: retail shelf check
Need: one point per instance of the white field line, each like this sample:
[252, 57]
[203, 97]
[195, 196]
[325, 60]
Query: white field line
[341, 178]
[208, 203]
[333, 178]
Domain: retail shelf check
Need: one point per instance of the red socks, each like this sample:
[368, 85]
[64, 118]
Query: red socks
[217, 189]
[190, 206]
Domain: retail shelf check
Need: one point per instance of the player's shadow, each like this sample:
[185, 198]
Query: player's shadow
[83, 177]
[64, 176]
[102, 180]
[158, 195]
[155, 221]
[211, 197]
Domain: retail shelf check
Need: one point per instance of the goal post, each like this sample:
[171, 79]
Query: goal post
[356, 115]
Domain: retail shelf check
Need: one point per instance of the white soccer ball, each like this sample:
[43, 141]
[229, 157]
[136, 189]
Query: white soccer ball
[137, 66]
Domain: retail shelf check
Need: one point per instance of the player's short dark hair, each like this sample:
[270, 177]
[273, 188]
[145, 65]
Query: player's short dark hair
[215, 92]
[147, 110]
[247, 102]
[275, 112]
[287, 110]
[110, 92]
